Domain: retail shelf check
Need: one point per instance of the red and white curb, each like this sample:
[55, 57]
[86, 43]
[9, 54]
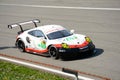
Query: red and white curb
[53, 68]
[45, 68]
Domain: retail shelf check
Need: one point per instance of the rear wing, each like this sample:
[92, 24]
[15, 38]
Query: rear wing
[23, 23]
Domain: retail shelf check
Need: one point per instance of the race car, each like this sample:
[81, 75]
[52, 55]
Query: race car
[51, 40]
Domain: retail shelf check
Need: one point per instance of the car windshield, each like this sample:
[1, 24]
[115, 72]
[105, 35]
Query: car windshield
[58, 34]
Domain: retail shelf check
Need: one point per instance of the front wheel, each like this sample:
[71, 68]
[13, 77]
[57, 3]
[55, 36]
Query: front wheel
[53, 52]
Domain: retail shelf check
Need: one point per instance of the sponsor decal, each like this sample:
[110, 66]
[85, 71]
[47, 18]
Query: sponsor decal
[42, 45]
[64, 45]
[70, 38]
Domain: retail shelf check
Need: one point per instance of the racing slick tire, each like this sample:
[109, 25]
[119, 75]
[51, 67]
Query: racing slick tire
[53, 52]
[20, 45]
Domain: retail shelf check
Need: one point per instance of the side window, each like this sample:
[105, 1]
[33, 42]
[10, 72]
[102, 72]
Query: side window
[36, 33]
[31, 33]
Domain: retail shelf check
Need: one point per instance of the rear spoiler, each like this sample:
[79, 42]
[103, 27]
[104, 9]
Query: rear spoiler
[23, 23]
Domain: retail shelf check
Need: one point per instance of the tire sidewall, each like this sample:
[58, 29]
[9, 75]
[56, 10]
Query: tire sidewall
[56, 54]
[21, 45]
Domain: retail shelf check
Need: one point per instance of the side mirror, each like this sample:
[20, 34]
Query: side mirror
[72, 31]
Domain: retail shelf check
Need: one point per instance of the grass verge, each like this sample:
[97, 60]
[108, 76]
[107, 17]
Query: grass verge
[10, 71]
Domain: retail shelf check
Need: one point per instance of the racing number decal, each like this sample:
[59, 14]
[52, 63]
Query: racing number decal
[42, 45]
[28, 39]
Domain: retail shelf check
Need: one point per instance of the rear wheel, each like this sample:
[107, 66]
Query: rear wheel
[21, 46]
[53, 52]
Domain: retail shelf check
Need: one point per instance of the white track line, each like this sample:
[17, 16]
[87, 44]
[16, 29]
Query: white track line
[44, 68]
[61, 7]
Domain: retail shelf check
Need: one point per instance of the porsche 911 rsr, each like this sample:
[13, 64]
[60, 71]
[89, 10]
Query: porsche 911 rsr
[51, 40]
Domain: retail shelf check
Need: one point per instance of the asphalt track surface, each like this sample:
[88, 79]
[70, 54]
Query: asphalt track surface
[103, 26]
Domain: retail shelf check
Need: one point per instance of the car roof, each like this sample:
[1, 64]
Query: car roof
[50, 28]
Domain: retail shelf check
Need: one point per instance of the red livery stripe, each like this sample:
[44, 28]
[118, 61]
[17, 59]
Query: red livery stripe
[73, 46]
[36, 50]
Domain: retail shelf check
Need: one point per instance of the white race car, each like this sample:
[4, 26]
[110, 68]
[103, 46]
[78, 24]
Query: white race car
[53, 40]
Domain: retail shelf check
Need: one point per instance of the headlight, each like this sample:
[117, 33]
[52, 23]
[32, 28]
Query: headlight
[88, 39]
[64, 45]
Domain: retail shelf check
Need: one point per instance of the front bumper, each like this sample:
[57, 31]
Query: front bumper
[89, 47]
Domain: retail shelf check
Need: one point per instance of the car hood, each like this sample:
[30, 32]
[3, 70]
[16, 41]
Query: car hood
[70, 40]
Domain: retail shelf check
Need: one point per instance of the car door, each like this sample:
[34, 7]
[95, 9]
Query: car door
[36, 40]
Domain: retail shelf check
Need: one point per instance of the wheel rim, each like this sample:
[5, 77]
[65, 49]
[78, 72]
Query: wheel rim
[21, 46]
[52, 52]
